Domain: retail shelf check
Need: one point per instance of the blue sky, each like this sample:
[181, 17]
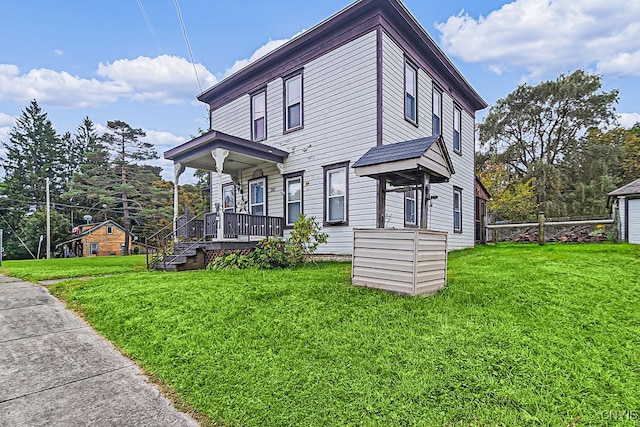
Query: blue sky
[128, 60]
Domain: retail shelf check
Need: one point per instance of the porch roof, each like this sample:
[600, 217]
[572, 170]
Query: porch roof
[404, 163]
[243, 153]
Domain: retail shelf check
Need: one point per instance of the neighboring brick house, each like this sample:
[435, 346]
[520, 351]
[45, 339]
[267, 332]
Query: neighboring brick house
[286, 131]
[104, 239]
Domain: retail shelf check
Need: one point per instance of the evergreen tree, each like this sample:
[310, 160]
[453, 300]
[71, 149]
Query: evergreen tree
[126, 150]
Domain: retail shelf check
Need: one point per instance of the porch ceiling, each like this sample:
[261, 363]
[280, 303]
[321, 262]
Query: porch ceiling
[243, 153]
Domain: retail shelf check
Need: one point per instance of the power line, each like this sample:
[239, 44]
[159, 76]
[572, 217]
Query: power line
[186, 40]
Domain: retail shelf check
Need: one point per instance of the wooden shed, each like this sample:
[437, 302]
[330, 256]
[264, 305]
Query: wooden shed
[103, 239]
[626, 200]
[410, 260]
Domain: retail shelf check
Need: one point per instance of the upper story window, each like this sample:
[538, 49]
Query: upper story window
[259, 116]
[109, 229]
[410, 93]
[336, 193]
[437, 111]
[457, 210]
[293, 103]
[457, 119]
[293, 198]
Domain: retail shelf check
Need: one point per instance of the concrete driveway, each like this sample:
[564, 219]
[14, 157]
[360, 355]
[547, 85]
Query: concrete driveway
[56, 371]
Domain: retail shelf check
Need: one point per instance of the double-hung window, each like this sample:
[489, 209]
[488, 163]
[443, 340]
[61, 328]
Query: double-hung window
[293, 198]
[257, 197]
[293, 103]
[336, 193]
[410, 93]
[457, 210]
[259, 116]
[457, 119]
[410, 208]
[109, 229]
[437, 111]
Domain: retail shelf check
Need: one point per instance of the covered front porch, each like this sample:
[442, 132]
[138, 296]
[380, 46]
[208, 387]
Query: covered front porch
[228, 157]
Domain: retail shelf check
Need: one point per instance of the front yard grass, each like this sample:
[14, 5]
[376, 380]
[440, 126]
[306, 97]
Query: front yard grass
[62, 268]
[522, 336]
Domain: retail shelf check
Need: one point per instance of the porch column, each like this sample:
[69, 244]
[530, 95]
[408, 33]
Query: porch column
[178, 170]
[426, 196]
[219, 155]
[381, 202]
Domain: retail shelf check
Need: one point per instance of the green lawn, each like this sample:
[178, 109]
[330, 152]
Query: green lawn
[522, 336]
[60, 268]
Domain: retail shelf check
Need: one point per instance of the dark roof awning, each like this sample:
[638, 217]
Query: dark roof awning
[627, 190]
[243, 153]
[404, 163]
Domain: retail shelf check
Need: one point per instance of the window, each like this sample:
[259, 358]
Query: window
[109, 229]
[457, 118]
[410, 208]
[336, 191]
[93, 248]
[293, 198]
[229, 198]
[259, 116]
[457, 210]
[293, 103]
[410, 93]
[257, 199]
[437, 111]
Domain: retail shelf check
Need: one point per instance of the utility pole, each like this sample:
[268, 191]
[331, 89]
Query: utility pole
[48, 221]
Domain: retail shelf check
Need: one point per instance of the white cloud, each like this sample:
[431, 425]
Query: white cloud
[6, 119]
[627, 120]
[165, 79]
[58, 52]
[268, 47]
[544, 36]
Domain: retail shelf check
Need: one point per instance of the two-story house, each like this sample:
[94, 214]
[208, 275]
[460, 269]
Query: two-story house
[286, 131]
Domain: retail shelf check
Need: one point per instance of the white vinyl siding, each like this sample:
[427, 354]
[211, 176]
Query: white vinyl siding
[334, 131]
[396, 129]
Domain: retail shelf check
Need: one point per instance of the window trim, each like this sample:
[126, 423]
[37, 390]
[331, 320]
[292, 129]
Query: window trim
[435, 90]
[253, 96]
[457, 113]
[109, 229]
[224, 188]
[250, 210]
[91, 246]
[414, 68]
[285, 180]
[414, 224]
[457, 190]
[285, 111]
[325, 204]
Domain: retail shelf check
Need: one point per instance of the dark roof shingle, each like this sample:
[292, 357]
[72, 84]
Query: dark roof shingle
[631, 188]
[394, 152]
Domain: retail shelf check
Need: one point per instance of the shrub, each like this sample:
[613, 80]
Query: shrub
[305, 238]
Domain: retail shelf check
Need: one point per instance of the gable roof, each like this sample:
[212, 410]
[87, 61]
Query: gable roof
[94, 228]
[403, 162]
[626, 190]
[355, 20]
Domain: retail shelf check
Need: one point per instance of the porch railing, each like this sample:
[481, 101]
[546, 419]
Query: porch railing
[204, 227]
[237, 224]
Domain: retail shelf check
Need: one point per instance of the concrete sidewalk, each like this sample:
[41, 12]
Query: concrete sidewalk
[56, 371]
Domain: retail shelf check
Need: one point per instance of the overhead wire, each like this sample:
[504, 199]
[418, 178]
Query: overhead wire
[186, 40]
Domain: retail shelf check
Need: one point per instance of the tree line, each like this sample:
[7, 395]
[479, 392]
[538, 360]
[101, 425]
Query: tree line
[556, 147]
[104, 175]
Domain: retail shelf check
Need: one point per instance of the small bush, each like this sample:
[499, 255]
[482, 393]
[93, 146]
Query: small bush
[270, 253]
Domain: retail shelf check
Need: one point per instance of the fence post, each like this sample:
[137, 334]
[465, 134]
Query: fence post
[541, 228]
[483, 230]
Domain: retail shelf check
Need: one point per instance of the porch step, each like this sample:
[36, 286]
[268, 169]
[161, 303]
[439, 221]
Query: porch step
[193, 257]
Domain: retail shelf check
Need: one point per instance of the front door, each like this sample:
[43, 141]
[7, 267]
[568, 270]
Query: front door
[257, 197]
